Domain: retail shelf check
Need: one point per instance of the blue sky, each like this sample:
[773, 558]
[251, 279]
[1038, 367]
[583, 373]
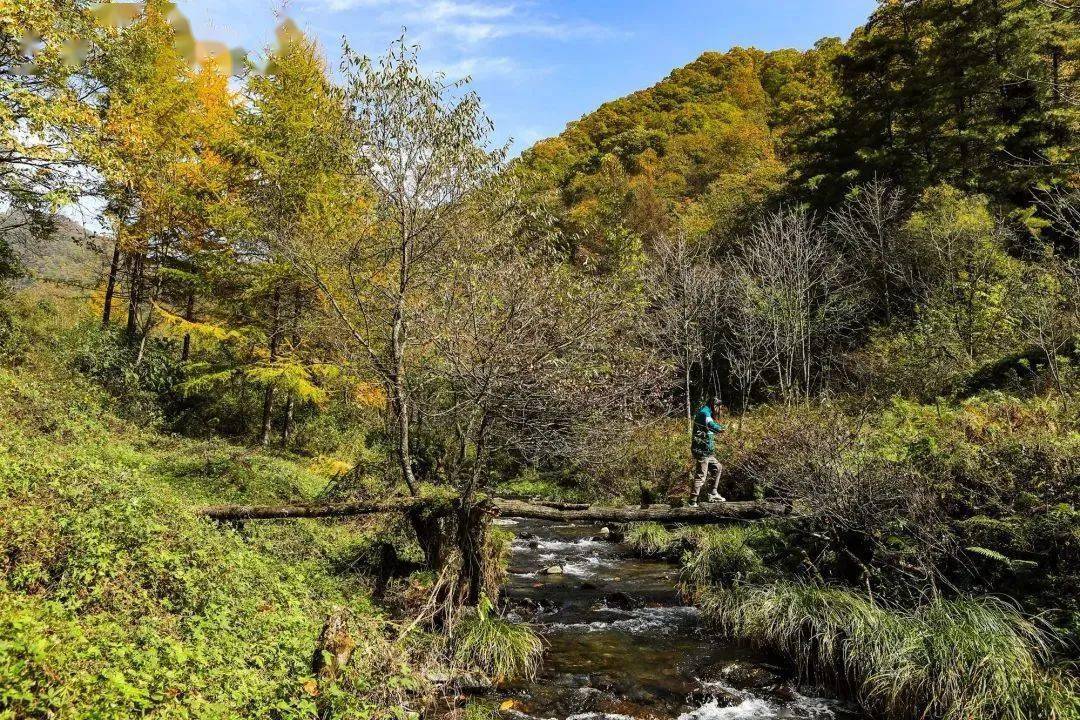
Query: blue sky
[538, 64]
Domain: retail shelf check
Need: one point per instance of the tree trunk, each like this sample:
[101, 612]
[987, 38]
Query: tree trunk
[398, 342]
[189, 315]
[290, 402]
[704, 514]
[134, 296]
[287, 423]
[689, 404]
[268, 394]
[400, 403]
[110, 287]
[473, 520]
[288, 512]
[432, 534]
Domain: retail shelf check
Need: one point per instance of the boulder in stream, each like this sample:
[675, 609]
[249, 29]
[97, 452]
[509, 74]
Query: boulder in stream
[709, 692]
[623, 601]
[746, 676]
[552, 570]
[782, 691]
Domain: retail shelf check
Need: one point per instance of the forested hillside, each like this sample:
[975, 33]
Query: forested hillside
[332, 289]
[697, 152]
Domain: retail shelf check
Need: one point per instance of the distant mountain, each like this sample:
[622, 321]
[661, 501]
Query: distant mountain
[696, 150]
[70, 257]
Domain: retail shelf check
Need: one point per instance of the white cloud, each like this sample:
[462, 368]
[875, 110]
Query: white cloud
[481, 66]
[476, 32]
[338, 5]
[471, 22]
[443, 10]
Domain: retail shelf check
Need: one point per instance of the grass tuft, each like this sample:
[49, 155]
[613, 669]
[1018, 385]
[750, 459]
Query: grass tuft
[500, 649]
[949, 659]
[650, 539]
[721, 555]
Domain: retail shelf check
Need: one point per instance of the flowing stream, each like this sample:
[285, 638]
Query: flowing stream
[622, 645]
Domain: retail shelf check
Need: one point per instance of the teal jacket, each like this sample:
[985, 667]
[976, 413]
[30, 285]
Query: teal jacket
[705, 429]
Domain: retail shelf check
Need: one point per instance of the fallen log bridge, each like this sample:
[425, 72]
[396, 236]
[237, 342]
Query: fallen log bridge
[703, 514]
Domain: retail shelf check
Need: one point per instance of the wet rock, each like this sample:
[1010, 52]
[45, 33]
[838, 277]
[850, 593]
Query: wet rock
[640, 696]
[518, 571]
[571, 680]
[611, 706]
[474, 683]
[604, 682]
[514, 617]
[708, 693]
[437, 677]
[534, 544]
[623, 601]
[552, 570]
[747, 676]
[590, 585]
[526, 536]
[603, 535]
[782, 691]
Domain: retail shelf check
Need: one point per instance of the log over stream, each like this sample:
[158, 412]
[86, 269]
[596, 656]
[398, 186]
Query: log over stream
[703, 514]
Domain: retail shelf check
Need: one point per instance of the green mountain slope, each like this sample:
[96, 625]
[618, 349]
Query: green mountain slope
[697, 149]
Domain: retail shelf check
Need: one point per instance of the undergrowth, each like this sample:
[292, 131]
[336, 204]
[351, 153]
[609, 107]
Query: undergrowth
[117, 601]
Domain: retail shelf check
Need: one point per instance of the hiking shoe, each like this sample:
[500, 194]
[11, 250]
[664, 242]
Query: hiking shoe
[693, 502]
[717, 497]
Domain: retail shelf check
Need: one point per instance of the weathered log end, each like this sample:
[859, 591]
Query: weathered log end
[335, 647]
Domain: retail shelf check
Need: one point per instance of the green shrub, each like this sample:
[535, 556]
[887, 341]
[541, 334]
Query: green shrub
[116, 601]
[143, 387]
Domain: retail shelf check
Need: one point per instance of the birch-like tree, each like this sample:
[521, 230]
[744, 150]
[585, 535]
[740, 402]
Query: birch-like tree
[683, 288]
[421, 148]
[794, 299]
[869, 223]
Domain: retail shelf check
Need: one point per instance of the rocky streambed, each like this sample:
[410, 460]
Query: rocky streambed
[622, 645]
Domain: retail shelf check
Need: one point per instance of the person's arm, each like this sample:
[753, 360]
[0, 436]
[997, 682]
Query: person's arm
[715, 426]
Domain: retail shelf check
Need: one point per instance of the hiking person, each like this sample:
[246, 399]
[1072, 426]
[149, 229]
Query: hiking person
[703, 448]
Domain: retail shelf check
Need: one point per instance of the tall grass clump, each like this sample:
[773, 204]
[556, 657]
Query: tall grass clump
[721, 555]
[500, 649]
[948, 659]
[650, 539]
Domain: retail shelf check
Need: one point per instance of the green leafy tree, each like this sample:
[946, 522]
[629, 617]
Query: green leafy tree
[969, 93]
[44, 117]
